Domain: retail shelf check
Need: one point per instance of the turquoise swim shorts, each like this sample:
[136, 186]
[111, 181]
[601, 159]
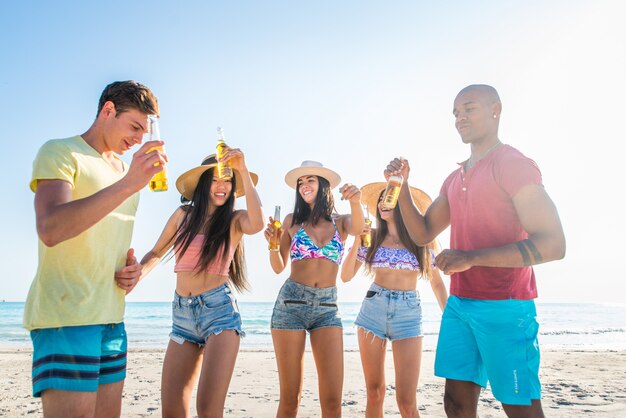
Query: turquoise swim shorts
[78, 358]
[491, 341]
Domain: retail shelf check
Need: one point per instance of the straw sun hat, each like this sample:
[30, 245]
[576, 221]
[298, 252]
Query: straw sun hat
[371, 192]
[187, 182]
[311, 168]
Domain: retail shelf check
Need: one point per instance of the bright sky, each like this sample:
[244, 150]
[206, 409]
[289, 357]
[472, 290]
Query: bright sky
[351, 84]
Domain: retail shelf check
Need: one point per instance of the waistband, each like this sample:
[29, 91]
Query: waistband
[200, 299]
[320, 292]
[400, 294]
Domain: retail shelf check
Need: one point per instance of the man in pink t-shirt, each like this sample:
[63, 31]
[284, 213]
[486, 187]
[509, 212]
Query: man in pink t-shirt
[502, 223]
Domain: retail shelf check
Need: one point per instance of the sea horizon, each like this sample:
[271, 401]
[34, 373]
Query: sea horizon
[561, 325]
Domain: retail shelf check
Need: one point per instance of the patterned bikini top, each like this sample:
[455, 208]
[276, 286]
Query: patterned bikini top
[303, 247]
[393, 258]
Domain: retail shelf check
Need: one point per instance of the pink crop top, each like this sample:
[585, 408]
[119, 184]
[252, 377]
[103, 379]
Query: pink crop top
[189, 260]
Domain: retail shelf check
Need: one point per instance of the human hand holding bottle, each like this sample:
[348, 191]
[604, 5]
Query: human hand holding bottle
[158, 183]
[277, 230]
[273, 233]
[398, 166]
[149, 160]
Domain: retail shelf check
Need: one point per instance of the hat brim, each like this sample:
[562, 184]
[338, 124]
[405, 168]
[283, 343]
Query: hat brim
[188, 181]
[292, 176]
[371, 192]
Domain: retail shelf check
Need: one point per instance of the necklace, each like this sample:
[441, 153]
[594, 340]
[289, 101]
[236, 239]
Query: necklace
[472, 160]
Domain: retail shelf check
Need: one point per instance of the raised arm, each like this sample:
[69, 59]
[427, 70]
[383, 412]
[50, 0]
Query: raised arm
[251, 220]
[351, 264]
[423, 228]
[546, 240]
[60, 218]
[352, 224]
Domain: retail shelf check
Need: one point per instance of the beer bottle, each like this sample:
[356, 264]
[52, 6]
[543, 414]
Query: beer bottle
[366, 239]
[224, 170]
[274, 244]
[158, 183]
[390, 198]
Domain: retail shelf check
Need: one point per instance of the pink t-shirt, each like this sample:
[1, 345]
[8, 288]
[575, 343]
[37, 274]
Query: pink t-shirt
[482, 215]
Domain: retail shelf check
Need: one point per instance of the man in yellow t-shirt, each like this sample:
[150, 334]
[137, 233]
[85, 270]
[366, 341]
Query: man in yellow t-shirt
[85, 204]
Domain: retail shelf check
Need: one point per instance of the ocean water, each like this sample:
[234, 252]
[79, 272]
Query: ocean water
[562, 325]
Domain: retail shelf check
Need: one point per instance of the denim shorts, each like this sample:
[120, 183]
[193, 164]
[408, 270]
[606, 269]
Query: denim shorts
[299, 307]
[196, 318]
[391, 314]
[78, 358]
[491, 340]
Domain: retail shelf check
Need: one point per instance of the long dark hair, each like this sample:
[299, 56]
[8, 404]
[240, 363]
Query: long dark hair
[322, 209]
[421, 253]
[216, 230]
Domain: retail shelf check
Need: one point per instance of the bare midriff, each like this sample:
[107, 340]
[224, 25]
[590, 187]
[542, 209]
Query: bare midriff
[191, 283]
[396, 279]
[314, 272]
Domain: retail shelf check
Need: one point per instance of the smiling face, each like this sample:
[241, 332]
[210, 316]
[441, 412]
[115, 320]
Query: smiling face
[308, 187]
[220, 190]
[122, 130]
[385, 214]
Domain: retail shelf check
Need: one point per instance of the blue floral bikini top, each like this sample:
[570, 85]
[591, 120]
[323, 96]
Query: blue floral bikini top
[393, 258]
[303, 247]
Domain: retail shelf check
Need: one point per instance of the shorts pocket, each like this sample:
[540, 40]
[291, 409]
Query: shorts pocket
[293, 302]
[413, 303]
[217, 303]
[370, 294]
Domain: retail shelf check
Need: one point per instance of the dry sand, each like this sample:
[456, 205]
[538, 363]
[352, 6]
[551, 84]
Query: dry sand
[575, 383]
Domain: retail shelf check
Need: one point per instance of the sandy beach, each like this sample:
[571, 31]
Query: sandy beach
[576, 383]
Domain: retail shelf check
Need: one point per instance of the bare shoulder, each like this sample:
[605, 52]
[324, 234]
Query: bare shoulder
[287, 224]
[177, 217]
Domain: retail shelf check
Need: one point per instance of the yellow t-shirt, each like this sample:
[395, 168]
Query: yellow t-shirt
[74, 284]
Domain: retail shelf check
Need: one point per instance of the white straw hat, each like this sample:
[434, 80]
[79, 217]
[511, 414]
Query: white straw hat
[311, 168]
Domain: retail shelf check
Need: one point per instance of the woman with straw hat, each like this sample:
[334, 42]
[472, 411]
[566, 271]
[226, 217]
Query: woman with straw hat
[391, 309]
[205, 235]
[313, 239]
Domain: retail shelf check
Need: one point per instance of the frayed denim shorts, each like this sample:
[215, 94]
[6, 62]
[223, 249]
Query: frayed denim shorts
[299, 307]
[391, 314]
[196, 318]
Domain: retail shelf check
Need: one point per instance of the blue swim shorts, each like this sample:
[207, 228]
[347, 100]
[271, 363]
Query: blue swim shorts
[196, 318]
[391, 314]
[78, 358]
[491, 341]
[299, 307]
